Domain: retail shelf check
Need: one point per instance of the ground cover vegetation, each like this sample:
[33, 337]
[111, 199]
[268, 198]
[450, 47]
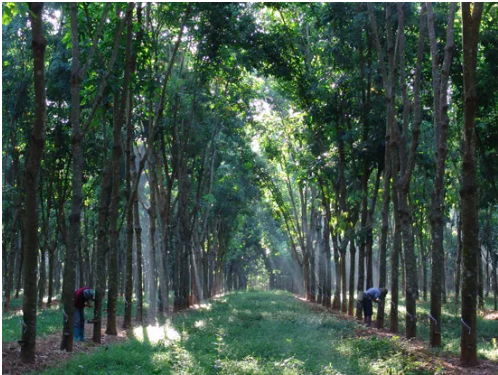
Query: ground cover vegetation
[250, 333]
[166, 153]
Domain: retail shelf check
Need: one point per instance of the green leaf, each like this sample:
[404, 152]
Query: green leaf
[9, 12]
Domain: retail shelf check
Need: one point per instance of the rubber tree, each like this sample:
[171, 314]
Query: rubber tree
[31, 175]
[471, 19]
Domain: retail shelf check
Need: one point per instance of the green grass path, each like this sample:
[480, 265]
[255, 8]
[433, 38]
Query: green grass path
[249, 333]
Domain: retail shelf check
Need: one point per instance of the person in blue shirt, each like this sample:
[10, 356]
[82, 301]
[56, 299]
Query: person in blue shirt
[372, 295]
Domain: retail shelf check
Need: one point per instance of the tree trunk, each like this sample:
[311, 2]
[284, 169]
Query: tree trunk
[101, 239]
[363, 235]
[138, 242]
[386, 199]
[117, 152]
[441, 121]
[129, 66]
[480, 280]
[395, 251]
[14, 246]
[468, 192]
[31, 174]
[458, 267]
[51, 260]
[495, 281]
[344, 305]
[77, 199]
[403, 273]
[21, 264]
[328, 266]
[152, 285]
[352, 252]
[337, 263]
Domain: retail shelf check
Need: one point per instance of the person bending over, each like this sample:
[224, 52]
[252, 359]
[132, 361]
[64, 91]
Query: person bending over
[372, 295]
[82, 299]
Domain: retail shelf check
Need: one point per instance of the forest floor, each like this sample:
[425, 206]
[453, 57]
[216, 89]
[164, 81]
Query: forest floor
[244, 333]
[432, 361]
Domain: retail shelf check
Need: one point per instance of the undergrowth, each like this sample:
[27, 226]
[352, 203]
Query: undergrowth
[249, 333]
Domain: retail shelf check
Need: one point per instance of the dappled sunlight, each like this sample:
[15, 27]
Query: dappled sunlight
[490, 353]
[251, 365]
[157, 333]
[177, 359]
[203, 306]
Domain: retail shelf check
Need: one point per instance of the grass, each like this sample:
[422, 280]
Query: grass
[248, 333]
[48, 320]
[487, 330]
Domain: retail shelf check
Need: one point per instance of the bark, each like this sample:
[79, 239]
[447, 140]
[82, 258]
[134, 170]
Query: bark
[352, 253]
[364, 204]
[101, 240]
[423, 252]
[480, 281]
[16, 181]
[406, 164]
[326, 301]
[117, 151]
[14, 246]
[468, 193]
[344, 305]
[31, 174]
[363, 241]
[386, 199]
[441, 121]
[458, 266]
[337, 293]
[44, 248]
[495, 281]
[138, 244]
[395, 251]
[52, 253]
[130, 68]
[21, 264]
[388, 84]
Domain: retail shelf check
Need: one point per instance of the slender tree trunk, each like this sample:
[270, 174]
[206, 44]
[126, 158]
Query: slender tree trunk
[51, 260]
[337, 263]
[14, 246]
[441, 121]
[480, 281]
[344, 305]
[42, 282]
[31, 174]
[363, 235]
[138, 242]
[495, 281]
[152, 310]
[386, 199]
[352, 253]
[423, 253]
[21, 264]
[403, 274]
[470, 224]
[101, 239]
[395, 251]
[117, 152]
[458, 266]
[328, 265]
[129, 64]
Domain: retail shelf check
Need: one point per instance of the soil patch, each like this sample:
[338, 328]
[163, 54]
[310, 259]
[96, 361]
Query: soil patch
[48, 353]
